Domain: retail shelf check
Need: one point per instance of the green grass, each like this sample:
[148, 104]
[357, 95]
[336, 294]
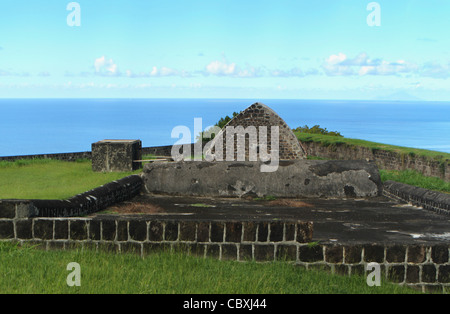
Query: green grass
[30, 270]
[50, 179]
[415, 178]
[328, 140]
[201, 205]
[411, 177]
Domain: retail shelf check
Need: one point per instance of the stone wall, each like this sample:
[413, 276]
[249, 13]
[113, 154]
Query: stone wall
[242, 240]
[79, 205]
[430, 200]
[154, 150]
[60, 156]
[383, 158]
[419, 265]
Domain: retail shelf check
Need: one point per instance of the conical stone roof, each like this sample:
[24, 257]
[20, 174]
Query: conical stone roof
[256, 117]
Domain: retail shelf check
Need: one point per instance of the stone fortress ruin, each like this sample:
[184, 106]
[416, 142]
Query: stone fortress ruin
[332, 214]
[257, 154]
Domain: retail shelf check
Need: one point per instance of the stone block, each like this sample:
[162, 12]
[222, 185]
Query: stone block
[412, 274]
[311, 254]
[286, 252]
[24, 229]
[263, 231]
[334, 254]
[122, 230]
[213, 250]
[78, 230]
[396, 273]
[249, 231]
[374, 253]
[229, 251]
[233, 232]
[138, 230]
[444, 274]
[116, 155]
[217, 229]
[429, 273]
[439, 254]
[94, 230]
[187, 231]
[304, 231]
[61, 229]
[171, 231]
[155, 232]
[7, 209]
[264, 252]
[417, 254]
[6, 229]
[396, 254]
[245, 252]
[203, 232]
[276, 231]
[43, 229]
[108, 230]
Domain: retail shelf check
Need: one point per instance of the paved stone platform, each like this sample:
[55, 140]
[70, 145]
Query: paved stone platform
[349, 221]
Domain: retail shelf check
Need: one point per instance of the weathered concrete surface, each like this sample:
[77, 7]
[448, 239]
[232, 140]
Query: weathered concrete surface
[351, 221]
[294, 178]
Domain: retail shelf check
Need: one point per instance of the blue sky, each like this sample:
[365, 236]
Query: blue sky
[226, 49]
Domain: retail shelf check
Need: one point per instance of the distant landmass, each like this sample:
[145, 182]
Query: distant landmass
[399, 96]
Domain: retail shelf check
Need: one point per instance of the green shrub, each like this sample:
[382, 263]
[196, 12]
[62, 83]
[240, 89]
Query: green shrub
[221, 123]
[317, 130]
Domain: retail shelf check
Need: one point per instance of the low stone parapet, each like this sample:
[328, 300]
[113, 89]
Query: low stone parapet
[293, 178]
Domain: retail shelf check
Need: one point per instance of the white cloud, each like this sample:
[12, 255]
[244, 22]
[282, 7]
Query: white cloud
[105, 66]
[336, 59]
[435, 70]
[224, 68]
[294, 72]
[340, 65]
[158, 72]
[221, 68]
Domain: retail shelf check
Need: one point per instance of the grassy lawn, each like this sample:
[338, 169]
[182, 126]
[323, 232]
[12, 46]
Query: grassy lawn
[416, 178]
[31, 270]
[50, 179]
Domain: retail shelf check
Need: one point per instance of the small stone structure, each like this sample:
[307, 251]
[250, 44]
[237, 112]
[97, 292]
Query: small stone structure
[116, 155]
[259, 115]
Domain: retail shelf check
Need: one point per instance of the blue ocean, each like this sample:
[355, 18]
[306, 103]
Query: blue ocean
[39, 126]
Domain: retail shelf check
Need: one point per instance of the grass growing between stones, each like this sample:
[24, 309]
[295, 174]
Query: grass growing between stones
[26, 269]
[50, 179]
[416, 178]
[327, 140]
